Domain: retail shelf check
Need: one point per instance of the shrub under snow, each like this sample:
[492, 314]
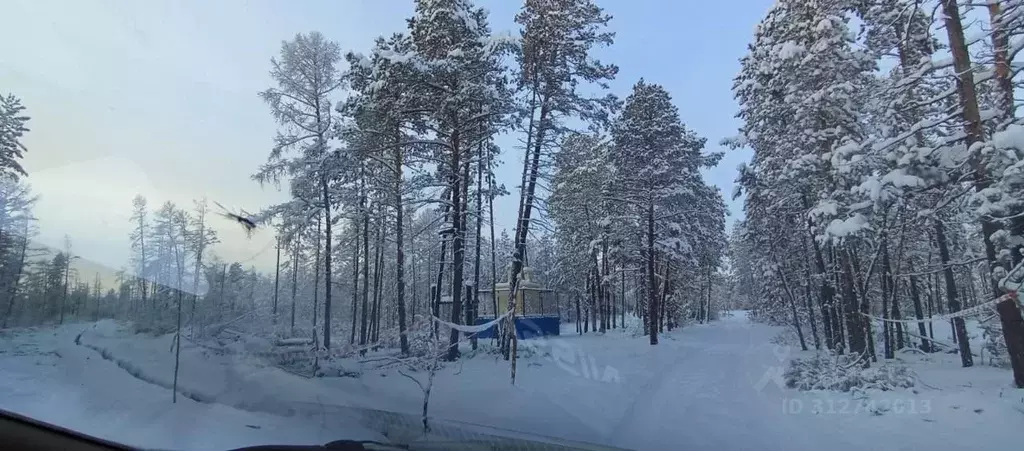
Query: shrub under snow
[634, 326]
[995, 346]
[843, 373]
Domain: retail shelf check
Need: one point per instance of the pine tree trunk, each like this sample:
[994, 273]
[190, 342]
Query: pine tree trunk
[611, 302]
[316, 277]
[788, 290]
[494, 254]
[142, 265]
[378, 289]
[400, 253]
[434, 310]
[830, 319]
[796, 323]
[471, 318]
[959, 327]
[363, 208]
[179, 262]
[295, 279]
[378, 257]
[177, 347]
[590, 302]
[414, 264]
[327, 263]
[886, 282]
[652, 301]
[588, 308]
[1010, 317]
[532, 161]
[64, 296]
[664, 296]
[597, 305]
[201, 245]
[897, 315]
[355, 281]
[277, 278]
[932, 298]
[700, 303]
[970, 287]
[915, 296]
[1003, 72]
[579, 320]
[810, 306]
[223, 280]
[606, 302]
[707, 308]
[854, 321]
[640, 298]
[458, 246]
[4, 286]
[902, 337]
[622, 294]
[861, 292]
[604, 299]
[435, 298]
[838, 307]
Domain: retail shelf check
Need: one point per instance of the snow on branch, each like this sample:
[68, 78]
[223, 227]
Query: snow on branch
[978, 309]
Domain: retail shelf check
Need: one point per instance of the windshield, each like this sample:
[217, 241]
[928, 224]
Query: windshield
[588, 224]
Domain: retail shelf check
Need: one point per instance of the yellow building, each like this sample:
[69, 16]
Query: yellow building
[531, 299]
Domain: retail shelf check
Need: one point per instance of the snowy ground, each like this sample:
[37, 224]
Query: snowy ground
[45, 375]
[706, 386]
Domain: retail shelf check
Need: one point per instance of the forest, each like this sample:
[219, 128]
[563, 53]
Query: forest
[884, 191]
[388, 155]
[885, 186]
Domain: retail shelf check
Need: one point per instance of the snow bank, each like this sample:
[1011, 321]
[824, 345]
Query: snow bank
[56, 381]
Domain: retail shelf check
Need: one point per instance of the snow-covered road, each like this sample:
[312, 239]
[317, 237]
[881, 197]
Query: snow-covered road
[715, 388]
[705, 395]
[710, 386]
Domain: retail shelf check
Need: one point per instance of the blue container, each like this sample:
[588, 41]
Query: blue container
[530, 326]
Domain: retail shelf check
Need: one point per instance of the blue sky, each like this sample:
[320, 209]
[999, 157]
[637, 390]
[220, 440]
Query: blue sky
[159, 96]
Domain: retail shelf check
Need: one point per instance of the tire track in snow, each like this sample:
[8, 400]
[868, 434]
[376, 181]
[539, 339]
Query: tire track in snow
[137, 373]
[648, 392]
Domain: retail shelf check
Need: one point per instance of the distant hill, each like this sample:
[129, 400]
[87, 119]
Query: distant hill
[86, 269]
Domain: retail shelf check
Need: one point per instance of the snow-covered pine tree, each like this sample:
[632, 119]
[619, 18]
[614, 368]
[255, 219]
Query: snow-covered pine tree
[462, 89]
[201, 237]
[997, 201]
[12, 128]
[902, 172]
[577, 206]
[383, 123]
[973, 141]
[701, 229]
[555, 61]
[140, 230]
[177, 232]
[16, 202]
[14, 198]
[656, 162]
[801, 90]
[306, 75]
